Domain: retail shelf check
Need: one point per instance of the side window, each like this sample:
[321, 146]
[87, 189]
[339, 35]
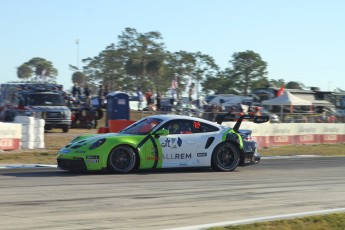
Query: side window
[200, 127]
[178, 127]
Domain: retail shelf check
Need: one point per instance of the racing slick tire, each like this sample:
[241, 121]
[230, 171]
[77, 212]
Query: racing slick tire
[122, 159]
[226, 157]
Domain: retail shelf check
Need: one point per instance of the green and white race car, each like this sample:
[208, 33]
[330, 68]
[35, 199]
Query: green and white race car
[164, 141]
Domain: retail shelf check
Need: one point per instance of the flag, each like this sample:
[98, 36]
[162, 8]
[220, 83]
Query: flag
[43, 75]
[189, 83]
[280, 91]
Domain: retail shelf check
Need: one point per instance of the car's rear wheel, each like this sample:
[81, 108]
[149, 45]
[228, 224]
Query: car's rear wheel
[122, 159]
[226, 157]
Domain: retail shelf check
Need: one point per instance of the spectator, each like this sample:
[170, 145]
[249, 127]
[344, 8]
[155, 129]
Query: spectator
[75, 90]
[257, 111]
[190, 94]
[105, 94]
[87, 93]
[158, 101]
[148, 97]
[231, 112]
[100, 96]
[105, 91]
[140, 98]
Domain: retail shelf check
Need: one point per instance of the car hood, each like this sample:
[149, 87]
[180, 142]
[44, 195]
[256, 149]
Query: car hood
[86, 140]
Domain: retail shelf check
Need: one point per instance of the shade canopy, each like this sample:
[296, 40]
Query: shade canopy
[286, 99]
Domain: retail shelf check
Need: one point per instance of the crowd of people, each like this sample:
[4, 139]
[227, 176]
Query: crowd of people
[211, 111]
[149, 101]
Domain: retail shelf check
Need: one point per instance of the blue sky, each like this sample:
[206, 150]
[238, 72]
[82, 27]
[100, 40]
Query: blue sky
[301, 40]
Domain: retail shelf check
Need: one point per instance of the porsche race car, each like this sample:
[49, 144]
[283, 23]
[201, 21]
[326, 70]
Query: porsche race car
[164, 141]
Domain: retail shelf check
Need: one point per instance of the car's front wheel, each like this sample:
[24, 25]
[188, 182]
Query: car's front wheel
[226, 157]
[122, 159]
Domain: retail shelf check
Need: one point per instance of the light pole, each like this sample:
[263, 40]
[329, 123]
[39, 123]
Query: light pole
[77, 43]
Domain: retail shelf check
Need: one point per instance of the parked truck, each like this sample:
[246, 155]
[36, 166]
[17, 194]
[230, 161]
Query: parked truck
[41, 100]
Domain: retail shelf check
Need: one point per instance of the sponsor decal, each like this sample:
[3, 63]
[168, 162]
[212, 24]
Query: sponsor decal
[280, 130]
[302, 129]
[306, 138]
[172, 143]
[80, 151]
[64, 151]
[202, 154]
[331, 130]
[330, 137]
[281, 139]
[177, 156]
[6, 142]
[92, 159]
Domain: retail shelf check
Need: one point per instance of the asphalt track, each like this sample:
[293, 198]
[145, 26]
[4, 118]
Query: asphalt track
[47, 198]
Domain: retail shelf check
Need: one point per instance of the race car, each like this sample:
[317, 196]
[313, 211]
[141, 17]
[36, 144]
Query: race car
[164, 141]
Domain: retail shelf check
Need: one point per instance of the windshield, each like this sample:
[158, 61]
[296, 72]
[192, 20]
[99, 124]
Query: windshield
[142, 127]
[45, 99]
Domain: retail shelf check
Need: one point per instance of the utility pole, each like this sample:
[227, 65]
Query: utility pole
[77, 43]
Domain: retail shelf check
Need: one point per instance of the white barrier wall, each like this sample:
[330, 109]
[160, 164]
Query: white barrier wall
[10, 136]
[32, 132]
[267, 134]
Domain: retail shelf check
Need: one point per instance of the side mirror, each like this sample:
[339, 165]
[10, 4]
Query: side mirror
[162, 132]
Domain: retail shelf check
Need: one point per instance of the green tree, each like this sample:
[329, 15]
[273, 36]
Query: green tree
[293, 85]
[79, 77]
[276, 83]
[135, 61]
[195, 66]
[248, 70]
[205, 67]
[24, 72]
[40, 67]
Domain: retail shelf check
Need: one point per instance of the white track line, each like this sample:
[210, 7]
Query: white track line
[17, 166]
[261, 219]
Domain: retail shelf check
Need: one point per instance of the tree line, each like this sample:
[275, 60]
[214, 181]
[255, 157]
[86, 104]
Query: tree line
[142, 60]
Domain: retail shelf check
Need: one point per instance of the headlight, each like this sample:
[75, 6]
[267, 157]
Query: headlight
[67, 114]
[97, 143]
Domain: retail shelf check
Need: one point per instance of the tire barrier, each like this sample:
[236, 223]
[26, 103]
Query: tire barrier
[32, 132]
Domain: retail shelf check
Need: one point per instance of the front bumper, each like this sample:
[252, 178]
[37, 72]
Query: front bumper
[57, 123]
[77, 165]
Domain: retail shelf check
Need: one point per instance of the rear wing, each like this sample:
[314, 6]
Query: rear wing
[231, 117]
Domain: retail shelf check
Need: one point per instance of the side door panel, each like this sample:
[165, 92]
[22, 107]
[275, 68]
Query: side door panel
[178, 150]
[206, 144]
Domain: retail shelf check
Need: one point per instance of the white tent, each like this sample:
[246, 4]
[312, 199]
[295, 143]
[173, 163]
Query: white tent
[286, 99]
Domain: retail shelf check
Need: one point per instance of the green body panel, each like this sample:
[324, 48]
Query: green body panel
[151, 154]
[233, 132]
[148, 148]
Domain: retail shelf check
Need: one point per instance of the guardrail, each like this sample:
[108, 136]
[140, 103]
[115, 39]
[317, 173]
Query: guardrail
[268, 135]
